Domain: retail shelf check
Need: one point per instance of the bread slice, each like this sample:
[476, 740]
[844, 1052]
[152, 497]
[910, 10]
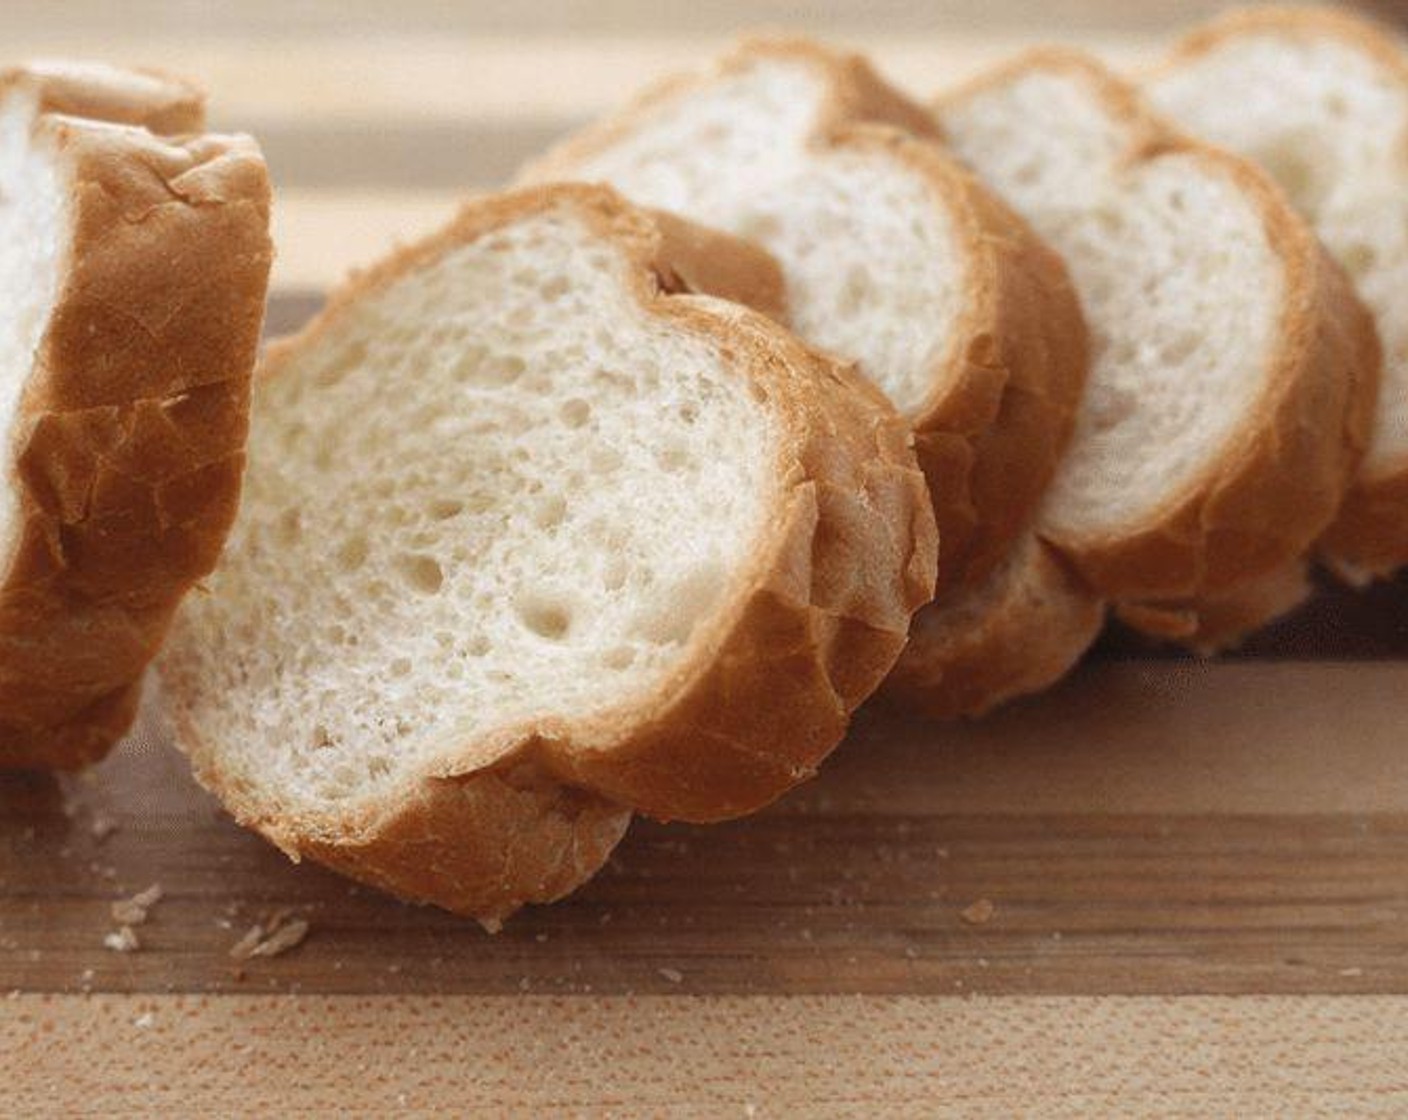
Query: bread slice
[1320, 99]
[533, 537]
[136, 268]
[1225, 411]
[895, 257]
[1018, 633]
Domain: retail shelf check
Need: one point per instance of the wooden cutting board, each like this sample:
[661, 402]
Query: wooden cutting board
[1168, 886]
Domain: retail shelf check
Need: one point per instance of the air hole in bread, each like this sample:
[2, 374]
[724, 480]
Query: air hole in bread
[288, 528]
[857, 292]
[550, 511]
[615, 573]
[673, 458]
[575, 412]
[352, 553]
[547, 617]
[442, 509]
[421, 573]
[619, 658]
[605, 460]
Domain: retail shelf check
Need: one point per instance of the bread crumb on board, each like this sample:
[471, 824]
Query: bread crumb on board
[122, 940]
[135, 910]
[978, 913]
[277, 935]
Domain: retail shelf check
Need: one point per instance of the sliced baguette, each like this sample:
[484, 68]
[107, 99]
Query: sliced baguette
[894, 256]
[532, 538]
[1320, 98]
[1204, 557]
[1226, 407]
[136, 267]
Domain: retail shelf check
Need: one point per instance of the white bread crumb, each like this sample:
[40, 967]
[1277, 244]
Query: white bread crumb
[978, 913]
[135, 910]
[122, 940]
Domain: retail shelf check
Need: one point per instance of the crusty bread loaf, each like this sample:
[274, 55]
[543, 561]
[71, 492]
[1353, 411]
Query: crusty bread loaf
[1320, 98]
[1018, 633]
[894, 257]
[533, 537]
[1224, 415]
[136, 268]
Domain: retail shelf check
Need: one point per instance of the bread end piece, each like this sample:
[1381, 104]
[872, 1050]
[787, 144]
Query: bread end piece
[129, 445]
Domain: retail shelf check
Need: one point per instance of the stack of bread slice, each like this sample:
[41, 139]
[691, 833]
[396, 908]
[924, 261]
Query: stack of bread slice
[1230, 396]
[136, 255]
[1319, 98]
[1233, 368]
[552, 519]
[895, 258]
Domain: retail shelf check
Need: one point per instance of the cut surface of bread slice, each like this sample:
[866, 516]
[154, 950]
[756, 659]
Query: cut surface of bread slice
[1320, 99]
[534, 537]
[1017, 634]
[1225, 410]
[136, 269]
[895, 258]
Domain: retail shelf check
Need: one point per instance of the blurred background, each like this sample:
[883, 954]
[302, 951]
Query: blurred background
[378, 116]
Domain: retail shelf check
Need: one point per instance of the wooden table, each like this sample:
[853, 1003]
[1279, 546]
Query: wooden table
[1166, 886]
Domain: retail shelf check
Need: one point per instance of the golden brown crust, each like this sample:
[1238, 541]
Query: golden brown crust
[1278, 484]
[1369, 537]
[1019, 633]
[129, 446]
[1006, 389]
[1308, 21]
[483, 846]
[705, 260]
[765, 687]
[1220, 622]
[163, 104]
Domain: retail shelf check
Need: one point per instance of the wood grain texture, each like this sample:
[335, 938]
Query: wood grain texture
[730, 1057]
[1147, 828]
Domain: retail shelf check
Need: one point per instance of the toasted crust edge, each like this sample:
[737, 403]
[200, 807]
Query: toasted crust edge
[1216, 623]
[1369, 537]
[1238, 518]
[773, 680]
[1006, 389]
[129, 444]
[1036, 621]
